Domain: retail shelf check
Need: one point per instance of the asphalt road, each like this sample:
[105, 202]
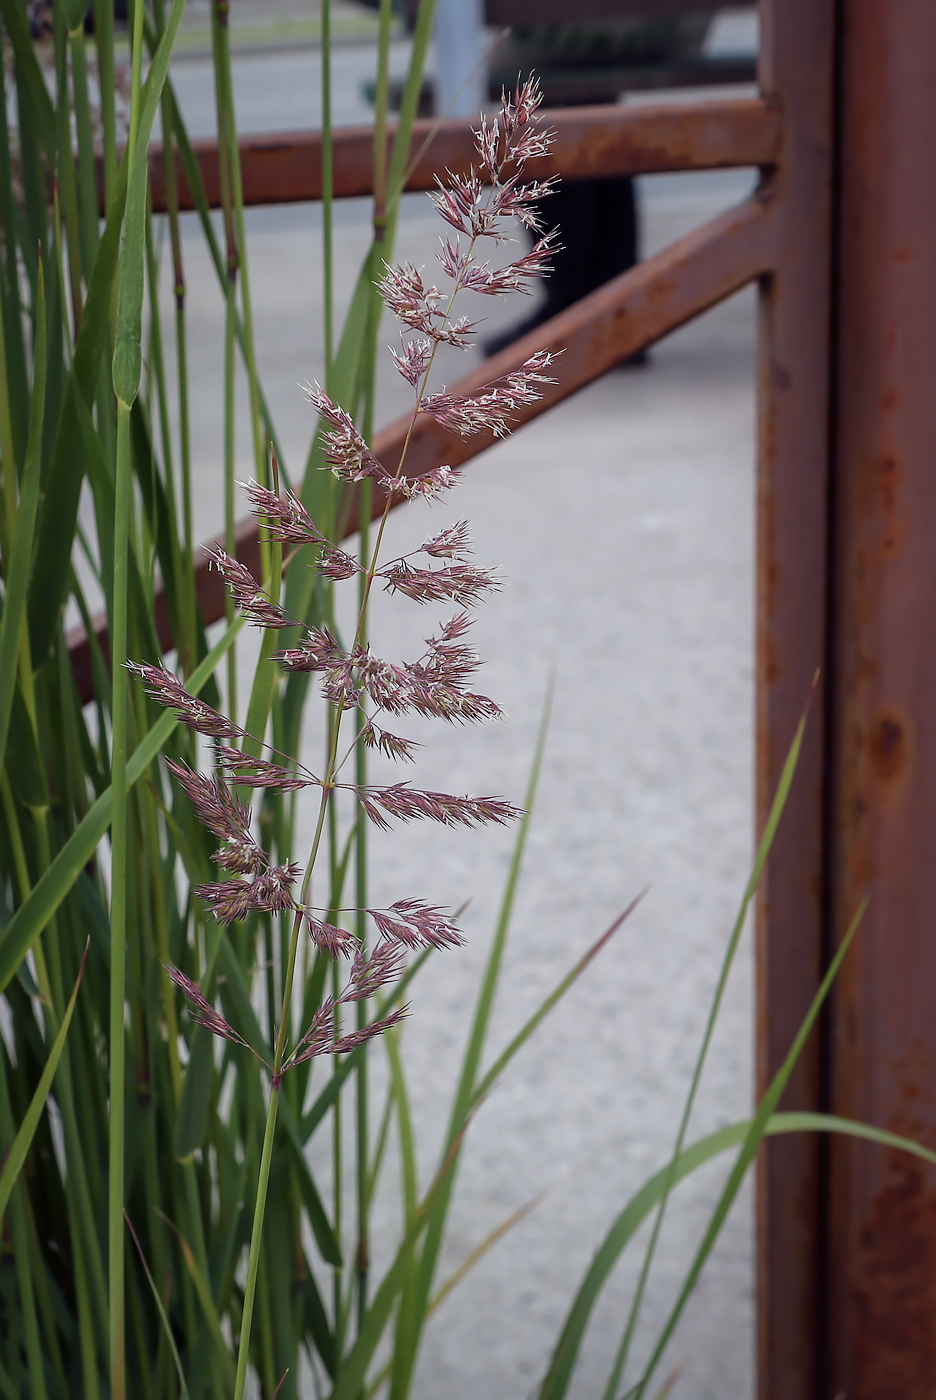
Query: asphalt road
[623, 524]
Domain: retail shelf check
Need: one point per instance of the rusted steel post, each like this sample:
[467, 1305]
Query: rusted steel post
[796, 72]
[882, 1241]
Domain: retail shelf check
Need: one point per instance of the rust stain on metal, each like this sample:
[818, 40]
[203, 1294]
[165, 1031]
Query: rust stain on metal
[887, 747]
[895, 1304]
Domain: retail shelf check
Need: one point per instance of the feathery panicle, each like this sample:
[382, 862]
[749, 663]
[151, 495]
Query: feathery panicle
[429, 485]
[417, 306]
[484, 203]
[474, 276]
[412, 359]
[225, 817]
[318, 652]
[329, 938]
[285, 517]
[268, 893]
[260, 772]
[458, 583]
[204, 1014]
[320, 1039]
[390, 745]
[416, 924]
[370, 973]
[410, 804]
[345, 450]
[452, 543]
[247, 594]
[491, 410]
[346, 1043]
[167, 690]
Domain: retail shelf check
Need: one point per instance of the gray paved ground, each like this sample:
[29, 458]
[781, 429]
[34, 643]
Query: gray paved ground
[623, 525]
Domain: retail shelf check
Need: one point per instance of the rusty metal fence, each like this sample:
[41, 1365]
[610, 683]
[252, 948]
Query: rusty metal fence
[840, 238]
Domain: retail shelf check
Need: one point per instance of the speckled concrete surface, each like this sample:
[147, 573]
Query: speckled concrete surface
[623, 526]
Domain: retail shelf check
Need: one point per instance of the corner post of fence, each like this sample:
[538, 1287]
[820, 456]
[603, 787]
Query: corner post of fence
[881, 1205]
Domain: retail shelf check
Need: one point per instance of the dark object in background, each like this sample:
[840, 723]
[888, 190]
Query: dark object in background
[597, 222]
[39, 16]
[585, 62]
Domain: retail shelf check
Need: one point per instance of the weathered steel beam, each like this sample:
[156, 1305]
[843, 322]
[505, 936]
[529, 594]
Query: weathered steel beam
[616, 321]
[881, 1326]
[797, 54]
[287, 167]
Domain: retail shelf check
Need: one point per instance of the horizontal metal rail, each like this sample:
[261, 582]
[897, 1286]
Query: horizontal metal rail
[622, 317]
[590, 141]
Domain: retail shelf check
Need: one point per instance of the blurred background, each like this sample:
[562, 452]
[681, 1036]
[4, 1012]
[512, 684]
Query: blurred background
[623, 526]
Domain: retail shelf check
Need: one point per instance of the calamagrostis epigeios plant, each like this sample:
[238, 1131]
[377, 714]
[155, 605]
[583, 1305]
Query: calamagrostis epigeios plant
[362, 689]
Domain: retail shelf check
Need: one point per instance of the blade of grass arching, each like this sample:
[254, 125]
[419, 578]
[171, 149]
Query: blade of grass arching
[163, 1317]
[22, 526]
[54, 884]
[19, 1148]
[639, 1208]
[81, 1215]
[763, 851]
[749, 1149]
[409, 106]
[503, 1060]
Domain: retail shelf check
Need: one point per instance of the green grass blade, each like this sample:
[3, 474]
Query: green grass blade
[23, 532]
[639, 1208]
[55, 882]
[21, 1143]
